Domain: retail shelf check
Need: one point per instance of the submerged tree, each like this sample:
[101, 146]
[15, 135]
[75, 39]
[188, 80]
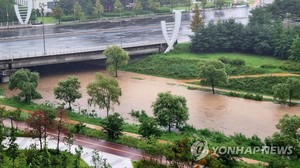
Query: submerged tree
[104, 92]
[115, 58]
[68, 90]
[26, 82]
[213, 72]
[170, 110]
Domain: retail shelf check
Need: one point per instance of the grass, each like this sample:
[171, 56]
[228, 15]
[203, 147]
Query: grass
[47, 20]
[213, 137]
[257, 85]
[181, 64]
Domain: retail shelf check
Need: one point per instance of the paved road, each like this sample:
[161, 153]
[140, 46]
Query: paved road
[93, 143]
[61, 39]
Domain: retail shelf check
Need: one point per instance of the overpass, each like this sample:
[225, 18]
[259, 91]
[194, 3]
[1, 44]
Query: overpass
[8, 63]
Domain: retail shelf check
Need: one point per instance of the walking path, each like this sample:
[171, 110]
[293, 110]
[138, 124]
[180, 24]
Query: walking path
[247, 76]
[114, 160]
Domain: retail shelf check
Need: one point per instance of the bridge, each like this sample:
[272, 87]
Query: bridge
[96, 53]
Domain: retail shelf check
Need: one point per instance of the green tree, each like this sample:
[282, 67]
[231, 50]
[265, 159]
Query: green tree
[197, 21]
[118, 6]
[104, 92]
[78, 12]
[280, 93]
[203, 4]
[293, 86]
[220, 3]
[57, 13]
[26, 82]
[283, 43]
[12, 150]
[113, 126]
[294, 52]
[68, 90]
[153, 4]
[78, 152]
[170, 110]
[137, 6]
[149, 127]
[115, 58]
[98, 9]
[214, 72]
[97, 160]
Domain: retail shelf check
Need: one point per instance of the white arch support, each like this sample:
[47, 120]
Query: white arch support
[171, 31]
[23, 12]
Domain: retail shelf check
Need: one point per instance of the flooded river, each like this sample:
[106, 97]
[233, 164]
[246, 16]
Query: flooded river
[216, 112]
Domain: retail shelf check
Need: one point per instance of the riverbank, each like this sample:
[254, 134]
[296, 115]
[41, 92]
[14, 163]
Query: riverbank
[215, 139]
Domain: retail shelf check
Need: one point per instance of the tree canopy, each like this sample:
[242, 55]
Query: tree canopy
[170, 110]
[214, 72]
[27, 82]
[115, 58]
[68, 90]
[113, 125]
[104, 92]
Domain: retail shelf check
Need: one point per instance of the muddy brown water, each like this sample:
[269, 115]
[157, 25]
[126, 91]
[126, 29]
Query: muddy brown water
[215, 112]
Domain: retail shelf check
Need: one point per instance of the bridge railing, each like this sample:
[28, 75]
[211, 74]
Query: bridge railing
[76, 51]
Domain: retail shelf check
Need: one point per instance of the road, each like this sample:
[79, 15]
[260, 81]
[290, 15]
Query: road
[92, 143]
[24, 42]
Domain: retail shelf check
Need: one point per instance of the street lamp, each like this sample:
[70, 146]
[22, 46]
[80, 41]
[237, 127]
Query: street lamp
[42, 5]
[7, 18]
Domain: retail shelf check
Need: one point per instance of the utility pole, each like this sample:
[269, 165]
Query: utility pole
[42, 5]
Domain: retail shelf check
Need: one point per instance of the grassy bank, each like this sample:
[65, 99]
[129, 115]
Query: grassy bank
[214, 138]
[259, 85]
[181, 64]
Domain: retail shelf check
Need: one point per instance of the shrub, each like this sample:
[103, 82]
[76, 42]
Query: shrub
[253, 97]
[67, 18]
[163, 10]
[268, 66]
[224, 60]
[290, 66]
[237, 62]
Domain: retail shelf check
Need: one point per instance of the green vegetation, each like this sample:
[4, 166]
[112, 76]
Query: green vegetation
[259, 85]
[47, 20]
[181, 64]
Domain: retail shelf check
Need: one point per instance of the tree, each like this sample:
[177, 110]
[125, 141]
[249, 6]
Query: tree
[98, 161]
[149, 127]
[69, 140]
[104, 92]
[113, 125]
[68, 90]
[280, 93]
[115, 58]
[78, 12]
[153, 4]
[293, 86]
[220, 3]
[57, 12]
[98, 9]
[118, 6]
[12, 150]
[137, 6]
[283, 43]
[26, 82]
[288, 90]
[170, 109]
[61, 116]
[197, 21]
[213, 72]
[39, 123]
[78, 152]
[294, 52]
[203, 4]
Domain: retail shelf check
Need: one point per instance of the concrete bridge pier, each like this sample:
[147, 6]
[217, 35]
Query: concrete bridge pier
[4, 76]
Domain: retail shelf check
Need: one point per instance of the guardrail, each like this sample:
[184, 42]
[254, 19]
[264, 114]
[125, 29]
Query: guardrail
[77, 51]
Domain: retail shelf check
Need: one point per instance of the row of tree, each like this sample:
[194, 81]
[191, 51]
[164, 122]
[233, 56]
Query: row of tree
[273, 37]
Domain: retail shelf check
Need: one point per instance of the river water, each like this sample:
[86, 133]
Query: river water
[216, 112]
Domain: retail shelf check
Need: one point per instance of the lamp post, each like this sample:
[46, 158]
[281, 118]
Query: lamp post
[42, 5]
[7, 16]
